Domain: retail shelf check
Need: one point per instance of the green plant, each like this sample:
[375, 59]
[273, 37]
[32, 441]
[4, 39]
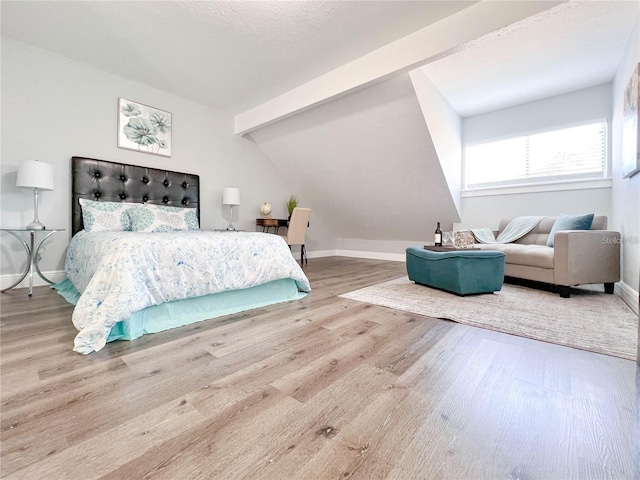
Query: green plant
[292, 203]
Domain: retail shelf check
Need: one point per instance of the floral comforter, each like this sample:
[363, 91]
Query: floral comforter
[119, 273]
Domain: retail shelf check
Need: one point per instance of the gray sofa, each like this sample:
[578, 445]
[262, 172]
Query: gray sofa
[577, 257]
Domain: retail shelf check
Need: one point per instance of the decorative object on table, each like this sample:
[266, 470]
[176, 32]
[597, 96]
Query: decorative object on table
[265, 209]
[631, 127]
[463, 239]
[231, 197]
[38, 176]
[143, 128]
[447, 239]
[438, 236]
[292, 203]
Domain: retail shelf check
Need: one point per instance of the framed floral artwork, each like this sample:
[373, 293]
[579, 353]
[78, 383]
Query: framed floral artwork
[143, 128]
[631, 127]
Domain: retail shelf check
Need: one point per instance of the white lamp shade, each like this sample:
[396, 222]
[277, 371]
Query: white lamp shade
[35, 174]
[231, 196]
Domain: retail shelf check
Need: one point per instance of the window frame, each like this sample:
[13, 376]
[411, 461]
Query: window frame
[548, 180]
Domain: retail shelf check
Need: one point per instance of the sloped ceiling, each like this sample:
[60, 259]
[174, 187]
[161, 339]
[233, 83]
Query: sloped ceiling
[365, 162]
[575, 46]
[229, 55]
[234, 55]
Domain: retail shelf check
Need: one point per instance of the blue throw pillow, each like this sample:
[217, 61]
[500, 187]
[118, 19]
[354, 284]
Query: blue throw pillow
[570, 222]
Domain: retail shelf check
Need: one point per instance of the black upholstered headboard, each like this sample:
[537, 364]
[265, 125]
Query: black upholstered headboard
[116, 182]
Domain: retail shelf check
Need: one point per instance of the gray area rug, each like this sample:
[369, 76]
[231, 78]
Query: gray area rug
[588, 320]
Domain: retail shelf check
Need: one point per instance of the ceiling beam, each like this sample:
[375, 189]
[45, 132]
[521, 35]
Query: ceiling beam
[477, 23]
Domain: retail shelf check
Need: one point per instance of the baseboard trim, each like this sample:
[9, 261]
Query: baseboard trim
[395, 257]
[320, 254]
[629, 295]
[54, 275]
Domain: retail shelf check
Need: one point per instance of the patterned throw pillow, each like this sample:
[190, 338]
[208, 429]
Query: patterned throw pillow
[463, 239]
[159, 218]
[105, 216]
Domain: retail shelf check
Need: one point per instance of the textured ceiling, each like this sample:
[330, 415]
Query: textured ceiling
[235, 55]
[230, 55]
[575, 46]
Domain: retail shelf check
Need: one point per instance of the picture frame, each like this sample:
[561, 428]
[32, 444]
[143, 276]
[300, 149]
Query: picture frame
[631, 126]
[143, 128]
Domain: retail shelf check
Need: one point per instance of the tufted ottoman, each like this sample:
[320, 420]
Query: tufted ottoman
[463, 272]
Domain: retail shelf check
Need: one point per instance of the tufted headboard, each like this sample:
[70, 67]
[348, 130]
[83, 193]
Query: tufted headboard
[116, 182]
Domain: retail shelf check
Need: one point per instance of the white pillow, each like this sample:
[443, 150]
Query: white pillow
[105, 216]
[160, 218]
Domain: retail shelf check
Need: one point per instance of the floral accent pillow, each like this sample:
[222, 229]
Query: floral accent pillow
[105, 216]
[159, 218]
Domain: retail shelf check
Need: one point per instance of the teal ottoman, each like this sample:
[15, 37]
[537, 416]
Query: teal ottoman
[463, 272]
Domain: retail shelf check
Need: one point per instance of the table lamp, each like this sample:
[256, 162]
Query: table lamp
[231, 197]
[39, 176]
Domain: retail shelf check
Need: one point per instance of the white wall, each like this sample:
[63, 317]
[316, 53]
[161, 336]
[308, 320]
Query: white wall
[626, 191]
[54, 108]
[445, 127]
[575, 107]
[368, 162]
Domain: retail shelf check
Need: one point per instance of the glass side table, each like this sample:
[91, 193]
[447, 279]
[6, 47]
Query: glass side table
[32, 248]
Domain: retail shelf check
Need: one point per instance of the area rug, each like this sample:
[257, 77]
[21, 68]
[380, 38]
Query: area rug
[588, 320]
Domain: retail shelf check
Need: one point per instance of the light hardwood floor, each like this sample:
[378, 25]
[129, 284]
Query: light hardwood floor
[321, 388]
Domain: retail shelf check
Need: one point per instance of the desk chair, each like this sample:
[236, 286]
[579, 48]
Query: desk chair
[297, 230]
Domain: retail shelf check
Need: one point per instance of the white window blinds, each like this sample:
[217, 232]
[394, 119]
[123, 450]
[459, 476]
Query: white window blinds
[564, 154]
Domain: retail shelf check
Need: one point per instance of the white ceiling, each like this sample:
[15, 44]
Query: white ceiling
[234, 55]
[230, 55]
[574, 46]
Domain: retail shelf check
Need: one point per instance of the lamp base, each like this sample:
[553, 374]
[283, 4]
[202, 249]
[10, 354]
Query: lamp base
[231, 228]
[35, 225]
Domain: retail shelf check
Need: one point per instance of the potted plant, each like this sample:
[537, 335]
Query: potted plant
[292, 203]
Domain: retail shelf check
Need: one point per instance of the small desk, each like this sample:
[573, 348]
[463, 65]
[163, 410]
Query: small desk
[267, 223]
[32, 248]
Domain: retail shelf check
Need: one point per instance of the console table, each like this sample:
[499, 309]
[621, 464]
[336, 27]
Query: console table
[275, 223]
[32, 248]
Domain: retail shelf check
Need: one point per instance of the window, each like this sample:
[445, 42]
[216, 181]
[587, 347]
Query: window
[565, 154]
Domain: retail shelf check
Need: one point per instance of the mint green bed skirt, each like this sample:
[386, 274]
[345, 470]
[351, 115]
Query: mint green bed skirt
[183, 312]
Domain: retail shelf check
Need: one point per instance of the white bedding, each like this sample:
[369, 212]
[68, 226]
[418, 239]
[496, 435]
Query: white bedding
[118, 273]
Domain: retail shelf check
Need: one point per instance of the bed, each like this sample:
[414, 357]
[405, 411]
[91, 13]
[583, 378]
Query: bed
[166, 272]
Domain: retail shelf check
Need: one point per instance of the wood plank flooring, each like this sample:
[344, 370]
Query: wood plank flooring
[320, 388]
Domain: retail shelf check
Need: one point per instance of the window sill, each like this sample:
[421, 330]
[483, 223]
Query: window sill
[539, 187]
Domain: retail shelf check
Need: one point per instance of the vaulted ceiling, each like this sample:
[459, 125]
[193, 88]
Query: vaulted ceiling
[230, 55]
[234, 55]
[357, 153]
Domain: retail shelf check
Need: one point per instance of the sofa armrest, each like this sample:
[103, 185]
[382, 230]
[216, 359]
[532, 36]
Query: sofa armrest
[586, 256]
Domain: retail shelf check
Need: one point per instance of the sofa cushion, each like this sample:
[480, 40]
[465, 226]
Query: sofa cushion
[518, 254]
[570, 222]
